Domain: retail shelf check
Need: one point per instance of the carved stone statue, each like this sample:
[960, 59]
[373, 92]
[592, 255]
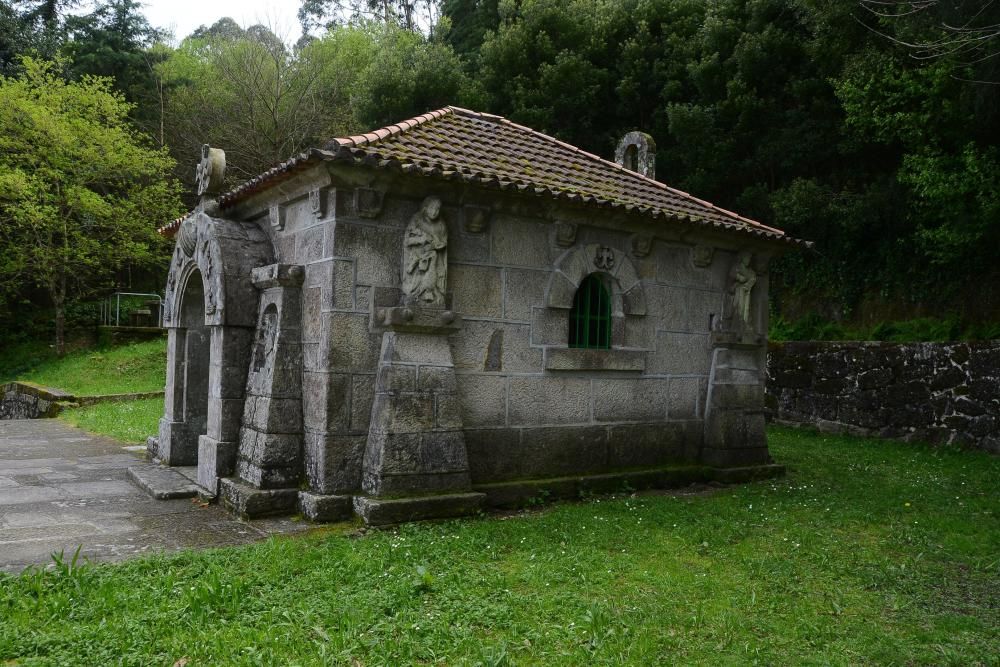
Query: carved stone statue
[742, 278]
[425, 256]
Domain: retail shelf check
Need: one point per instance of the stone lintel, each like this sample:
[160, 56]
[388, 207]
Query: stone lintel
[389, 511]
[325, 508]
[250, 503]
[579, 359]
[415, 319]
[278, 275]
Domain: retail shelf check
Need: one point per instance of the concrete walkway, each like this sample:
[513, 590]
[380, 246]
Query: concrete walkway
[61, 487]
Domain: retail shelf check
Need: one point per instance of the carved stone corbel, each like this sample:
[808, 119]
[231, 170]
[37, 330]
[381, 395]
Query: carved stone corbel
[368, 202]
[565, 234]
[276, 214]
[702, 255]
[475, 219]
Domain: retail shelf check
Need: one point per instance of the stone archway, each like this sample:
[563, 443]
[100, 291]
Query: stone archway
[189, 347]
[210, 335]
[574, 265]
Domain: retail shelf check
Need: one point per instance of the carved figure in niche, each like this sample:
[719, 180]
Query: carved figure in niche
[425, 256]
[742, 278]
[210, 304]
[267, 338]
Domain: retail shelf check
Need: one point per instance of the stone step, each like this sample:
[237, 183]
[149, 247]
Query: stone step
[162, 482]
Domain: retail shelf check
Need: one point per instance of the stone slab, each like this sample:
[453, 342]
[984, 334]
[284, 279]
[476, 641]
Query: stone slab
[250, 503]
[389, 511]
[88, 503]
[325, 508]
[161, 482]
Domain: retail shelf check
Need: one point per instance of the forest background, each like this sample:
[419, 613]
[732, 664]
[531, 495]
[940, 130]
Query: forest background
[869, 127]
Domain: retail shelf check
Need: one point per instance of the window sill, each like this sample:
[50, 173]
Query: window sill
[579, 359]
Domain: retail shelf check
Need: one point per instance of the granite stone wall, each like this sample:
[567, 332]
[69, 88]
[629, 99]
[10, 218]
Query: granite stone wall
[23, 400]
[933, 392]
[529, 405]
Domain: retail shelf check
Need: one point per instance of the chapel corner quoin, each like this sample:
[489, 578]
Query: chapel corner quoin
[457, 312]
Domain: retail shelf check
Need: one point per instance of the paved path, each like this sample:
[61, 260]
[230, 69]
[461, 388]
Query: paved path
[61, 487]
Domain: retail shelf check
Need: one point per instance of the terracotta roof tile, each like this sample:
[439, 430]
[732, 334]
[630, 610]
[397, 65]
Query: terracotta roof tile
[489, 150]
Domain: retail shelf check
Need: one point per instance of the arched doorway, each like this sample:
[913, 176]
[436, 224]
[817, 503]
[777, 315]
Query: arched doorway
[188, 355]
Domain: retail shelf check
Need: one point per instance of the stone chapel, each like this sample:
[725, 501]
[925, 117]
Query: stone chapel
[457, 312]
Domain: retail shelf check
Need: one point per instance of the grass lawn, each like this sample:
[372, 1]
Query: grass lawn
[128, 421]
[868, 552]
[129, 368]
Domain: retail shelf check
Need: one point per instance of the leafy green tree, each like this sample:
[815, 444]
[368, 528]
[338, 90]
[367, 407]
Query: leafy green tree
[247, 93]
[406, 74]
[81, 193]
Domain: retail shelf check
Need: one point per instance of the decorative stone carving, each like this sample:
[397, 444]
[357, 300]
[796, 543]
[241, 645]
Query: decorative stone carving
[742, 279]
[425, 256]
[276, 214]
[171, 292]
[475, 219]
[211, 171]
[702, 255]
[368, 202]
[637, 152]
[565, 234]
[641, 244]
[208, 269]
[316, 203]
[604, 258]
[187, 237]
[267, 336]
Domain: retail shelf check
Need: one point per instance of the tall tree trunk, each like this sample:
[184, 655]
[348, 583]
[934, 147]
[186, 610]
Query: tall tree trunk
[58, 294]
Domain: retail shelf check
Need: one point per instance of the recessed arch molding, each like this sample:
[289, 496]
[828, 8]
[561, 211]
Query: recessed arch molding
[578, 262]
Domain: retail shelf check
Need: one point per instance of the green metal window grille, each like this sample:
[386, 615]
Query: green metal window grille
[590, 318]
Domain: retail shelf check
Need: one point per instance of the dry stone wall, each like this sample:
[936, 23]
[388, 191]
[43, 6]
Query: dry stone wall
[23, 400]
[933, 392]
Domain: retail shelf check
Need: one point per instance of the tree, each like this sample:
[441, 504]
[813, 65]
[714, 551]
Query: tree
[116, 40]
[245, 92]
[407, 14]
[80, 192]
[965, 33]
[32, 27]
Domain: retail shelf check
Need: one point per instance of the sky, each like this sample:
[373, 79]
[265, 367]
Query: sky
[183, 16]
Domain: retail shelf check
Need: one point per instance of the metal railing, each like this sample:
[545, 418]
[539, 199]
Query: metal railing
[111, 308]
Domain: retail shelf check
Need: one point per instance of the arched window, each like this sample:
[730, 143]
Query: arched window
[590, 317]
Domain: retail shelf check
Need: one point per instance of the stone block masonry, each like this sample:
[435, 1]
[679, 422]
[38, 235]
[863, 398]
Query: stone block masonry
[395, 346]
[933, 392]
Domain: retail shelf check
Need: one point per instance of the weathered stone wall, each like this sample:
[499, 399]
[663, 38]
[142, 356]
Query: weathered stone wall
[934, 392]
[530, 406]
[23, 400]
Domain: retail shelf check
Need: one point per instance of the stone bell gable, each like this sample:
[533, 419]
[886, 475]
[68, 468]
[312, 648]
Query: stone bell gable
[458, 311]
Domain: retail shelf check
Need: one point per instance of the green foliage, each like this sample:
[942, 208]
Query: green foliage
[868, 552]
[792, 112]
[814, 326]
[80, 192]
[136, 367]
[126, 421]
[403, 75]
